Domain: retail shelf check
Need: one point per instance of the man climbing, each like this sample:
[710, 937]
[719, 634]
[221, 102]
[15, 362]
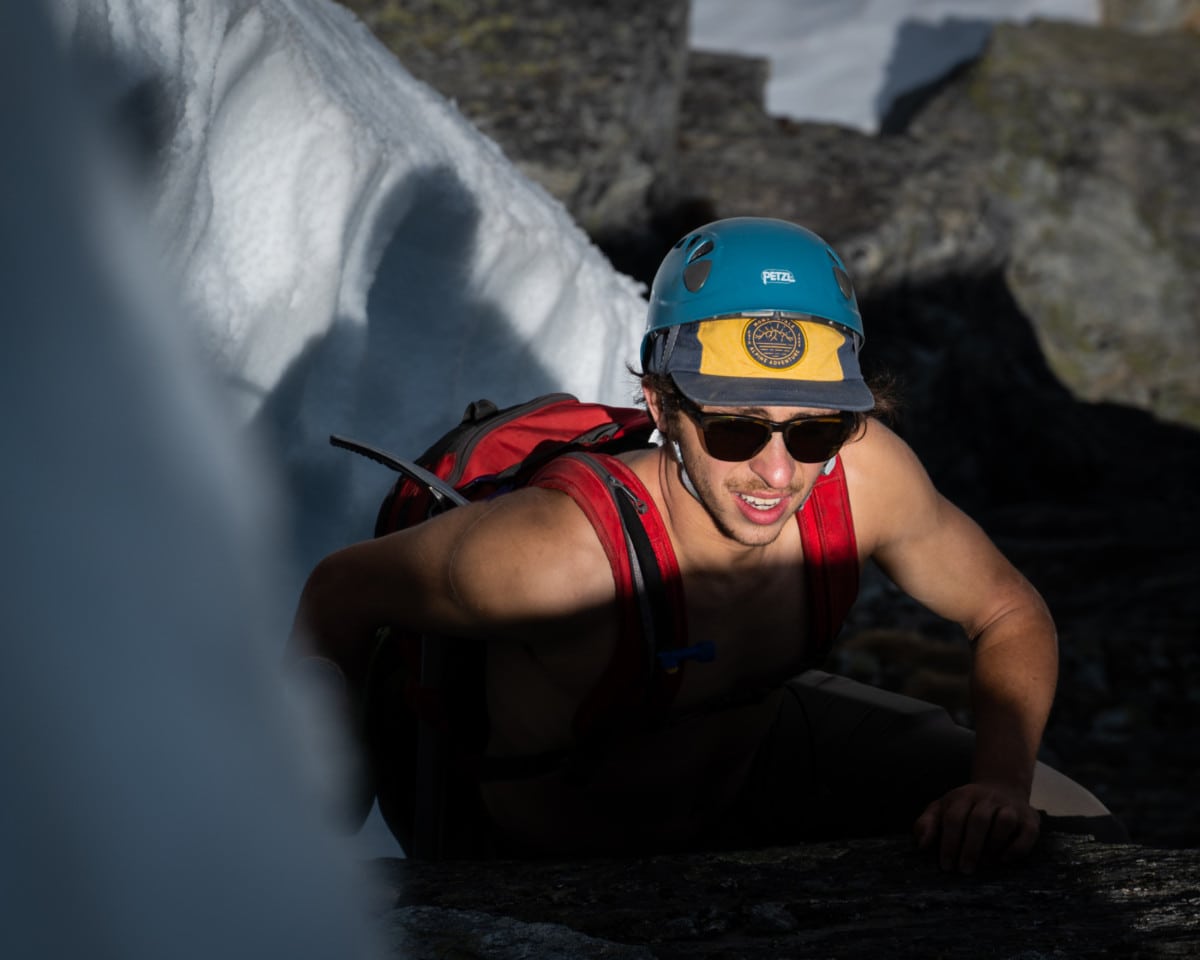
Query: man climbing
[751, 375]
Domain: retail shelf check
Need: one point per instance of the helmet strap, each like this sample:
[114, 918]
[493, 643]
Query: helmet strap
[661, 350]
[683, 474]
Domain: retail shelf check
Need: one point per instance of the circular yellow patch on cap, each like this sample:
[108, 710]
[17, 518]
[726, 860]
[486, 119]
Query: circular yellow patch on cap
[774, 342]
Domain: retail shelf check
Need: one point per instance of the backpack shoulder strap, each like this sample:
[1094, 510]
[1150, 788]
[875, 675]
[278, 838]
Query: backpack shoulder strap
[830, 558]
[643, 676]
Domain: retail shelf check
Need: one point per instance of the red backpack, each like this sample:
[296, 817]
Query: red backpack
[425, 712]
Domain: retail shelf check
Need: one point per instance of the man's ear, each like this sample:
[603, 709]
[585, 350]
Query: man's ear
[654, 406]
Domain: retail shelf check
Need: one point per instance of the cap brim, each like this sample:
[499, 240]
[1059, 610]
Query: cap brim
[852, 395]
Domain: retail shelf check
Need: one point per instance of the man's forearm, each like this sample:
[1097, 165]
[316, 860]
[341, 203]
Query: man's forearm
[1014, 674]
[328, 624]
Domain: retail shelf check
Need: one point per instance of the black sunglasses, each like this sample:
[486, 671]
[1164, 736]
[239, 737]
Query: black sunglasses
[733, 438]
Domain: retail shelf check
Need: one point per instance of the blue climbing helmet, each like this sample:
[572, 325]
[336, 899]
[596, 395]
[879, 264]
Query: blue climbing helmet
[753, 311]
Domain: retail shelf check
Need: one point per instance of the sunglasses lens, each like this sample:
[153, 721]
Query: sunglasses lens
[733, 439]
[736, 439]
[815, 441]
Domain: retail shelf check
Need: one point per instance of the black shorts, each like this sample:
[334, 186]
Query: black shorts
[847, 759]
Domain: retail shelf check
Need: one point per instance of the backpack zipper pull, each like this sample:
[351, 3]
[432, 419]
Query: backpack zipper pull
[638, 504]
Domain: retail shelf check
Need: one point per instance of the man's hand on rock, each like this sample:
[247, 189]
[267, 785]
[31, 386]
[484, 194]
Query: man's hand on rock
[978, 822]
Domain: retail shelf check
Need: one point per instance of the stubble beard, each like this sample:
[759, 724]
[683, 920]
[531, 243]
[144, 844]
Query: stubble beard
[717, 500]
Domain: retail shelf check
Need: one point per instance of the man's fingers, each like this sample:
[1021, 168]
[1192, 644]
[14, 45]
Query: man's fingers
[925, 828]
[977, 830]
[1006, 826]
[970, 824]
[1028, 830]
[954, 819]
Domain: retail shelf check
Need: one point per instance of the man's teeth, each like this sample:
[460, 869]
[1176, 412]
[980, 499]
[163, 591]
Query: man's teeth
[760, 504]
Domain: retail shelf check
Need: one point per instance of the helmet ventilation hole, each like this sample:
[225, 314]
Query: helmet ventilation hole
[695, 274]
[700, 251]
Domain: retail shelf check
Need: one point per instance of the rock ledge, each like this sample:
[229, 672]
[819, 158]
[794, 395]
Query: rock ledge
[862, 898]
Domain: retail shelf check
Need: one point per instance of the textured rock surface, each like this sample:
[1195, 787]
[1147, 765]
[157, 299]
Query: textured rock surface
[582, 97]
[1093, 168]
[864, 898]
[1151, 15]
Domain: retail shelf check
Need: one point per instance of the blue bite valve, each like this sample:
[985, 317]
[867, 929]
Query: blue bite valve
[704, 652]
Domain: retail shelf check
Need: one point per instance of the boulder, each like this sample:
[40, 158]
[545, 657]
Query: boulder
[1084, 144]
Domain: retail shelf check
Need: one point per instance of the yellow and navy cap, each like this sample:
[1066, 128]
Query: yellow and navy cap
[766, 359]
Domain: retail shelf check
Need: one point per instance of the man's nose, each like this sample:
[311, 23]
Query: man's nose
[773, 464]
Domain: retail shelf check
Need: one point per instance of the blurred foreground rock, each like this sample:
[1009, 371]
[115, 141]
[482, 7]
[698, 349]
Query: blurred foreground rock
[868, 898]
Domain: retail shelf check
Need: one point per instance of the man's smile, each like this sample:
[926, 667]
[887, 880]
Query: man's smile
[761, 503]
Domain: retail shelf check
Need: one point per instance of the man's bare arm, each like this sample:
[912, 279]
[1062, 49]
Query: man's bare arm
[480, 570]
[940, 557]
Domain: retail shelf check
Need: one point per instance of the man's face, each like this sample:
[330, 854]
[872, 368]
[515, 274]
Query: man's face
[750, 501]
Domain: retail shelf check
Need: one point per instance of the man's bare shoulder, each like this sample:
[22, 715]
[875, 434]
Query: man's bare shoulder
[888, 485]
[875, 452]
[530, 555]
[483, 569]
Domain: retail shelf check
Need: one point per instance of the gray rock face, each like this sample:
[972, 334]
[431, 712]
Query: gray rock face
[1149, 16]
[743, 163]
[582, 97]
[862, 898]
[1086, 144]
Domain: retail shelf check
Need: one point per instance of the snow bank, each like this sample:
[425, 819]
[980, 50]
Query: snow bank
[360, 259]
